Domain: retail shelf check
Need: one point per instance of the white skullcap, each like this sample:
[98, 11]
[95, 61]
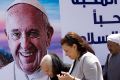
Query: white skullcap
[46, 60]
[34, 3]
[114, 38]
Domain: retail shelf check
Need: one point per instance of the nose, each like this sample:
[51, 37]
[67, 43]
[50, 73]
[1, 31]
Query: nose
[65, 52]
[24, 41]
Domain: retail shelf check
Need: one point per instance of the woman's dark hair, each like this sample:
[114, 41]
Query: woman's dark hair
[5, 57]
[73, 38]
[3, 61]
[58, 65]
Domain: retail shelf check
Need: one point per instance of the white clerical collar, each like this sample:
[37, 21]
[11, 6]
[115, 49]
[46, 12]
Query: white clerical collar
[38, 75]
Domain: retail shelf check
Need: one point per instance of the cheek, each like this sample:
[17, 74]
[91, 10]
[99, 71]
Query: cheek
[13, 48]
[13, 45]
[71, 52]
[109, 47]
[46, 70]
[39, 43]
[41, 46]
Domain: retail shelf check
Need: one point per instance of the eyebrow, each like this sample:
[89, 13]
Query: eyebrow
[14, 30]
[34, 30]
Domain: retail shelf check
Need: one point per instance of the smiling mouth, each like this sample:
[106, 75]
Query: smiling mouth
[26, 54]
[27, 57]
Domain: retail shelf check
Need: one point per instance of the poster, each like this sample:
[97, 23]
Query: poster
[92, 19]
[54, 18]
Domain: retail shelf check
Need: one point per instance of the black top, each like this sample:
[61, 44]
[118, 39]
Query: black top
[54, 78]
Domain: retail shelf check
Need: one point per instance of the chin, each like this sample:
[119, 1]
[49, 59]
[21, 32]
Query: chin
[29, 69]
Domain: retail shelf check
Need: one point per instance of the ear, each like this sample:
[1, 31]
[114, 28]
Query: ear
[75, 46]
[50, 32]
[6, 33]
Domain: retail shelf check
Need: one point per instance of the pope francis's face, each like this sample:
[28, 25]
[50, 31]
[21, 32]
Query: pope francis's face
[27, 36]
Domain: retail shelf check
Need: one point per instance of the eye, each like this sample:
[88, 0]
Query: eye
[66, 51]
[33, 34]
[15, 35]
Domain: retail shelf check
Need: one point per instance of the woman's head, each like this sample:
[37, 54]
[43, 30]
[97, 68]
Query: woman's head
[52, 65]
[74, 45]
[46, 65]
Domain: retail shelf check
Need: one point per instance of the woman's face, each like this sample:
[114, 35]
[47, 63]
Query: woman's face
[47, 68]
[70, 51]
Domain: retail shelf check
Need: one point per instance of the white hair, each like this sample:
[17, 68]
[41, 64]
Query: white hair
[46, 60]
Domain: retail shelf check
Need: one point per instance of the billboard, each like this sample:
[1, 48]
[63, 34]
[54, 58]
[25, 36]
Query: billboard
[92, 19]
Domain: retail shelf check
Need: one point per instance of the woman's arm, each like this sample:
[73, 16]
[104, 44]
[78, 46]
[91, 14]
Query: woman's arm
[92, 69]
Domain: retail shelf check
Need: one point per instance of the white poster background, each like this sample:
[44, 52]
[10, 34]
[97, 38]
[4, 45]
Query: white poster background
[79, 19]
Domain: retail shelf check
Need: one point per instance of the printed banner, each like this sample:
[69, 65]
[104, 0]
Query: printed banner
[92, 19]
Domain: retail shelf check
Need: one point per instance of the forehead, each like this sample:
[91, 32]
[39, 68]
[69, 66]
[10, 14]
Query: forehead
[47, 60]
[24, 15]
[112, 43]
[66, 47]
[46, 66]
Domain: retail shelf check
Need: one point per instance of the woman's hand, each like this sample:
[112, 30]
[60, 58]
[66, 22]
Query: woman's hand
[65, 76]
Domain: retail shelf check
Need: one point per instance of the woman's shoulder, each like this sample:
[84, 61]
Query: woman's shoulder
[89, 57]
[88, 54]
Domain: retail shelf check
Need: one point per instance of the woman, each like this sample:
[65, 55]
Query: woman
[86, 65]
[52, 65]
